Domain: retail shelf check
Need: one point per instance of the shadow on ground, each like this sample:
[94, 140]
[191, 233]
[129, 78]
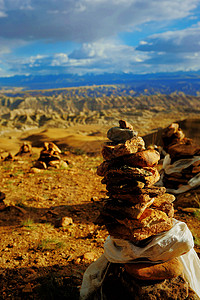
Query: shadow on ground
[14, 215]
[43, 283]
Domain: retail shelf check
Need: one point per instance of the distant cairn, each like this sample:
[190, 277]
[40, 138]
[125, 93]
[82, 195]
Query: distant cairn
[50, 157]
[181, 165]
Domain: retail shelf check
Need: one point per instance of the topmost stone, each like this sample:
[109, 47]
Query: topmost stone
[121, 134]
[118, 135]
[125, 125]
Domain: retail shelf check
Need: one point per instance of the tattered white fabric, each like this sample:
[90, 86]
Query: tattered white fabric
[93, 277]
[165, 246]
[177, 242]
[191, 265]
[177, 167]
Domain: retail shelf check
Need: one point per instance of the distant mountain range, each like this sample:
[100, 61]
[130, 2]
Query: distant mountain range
[163, 83]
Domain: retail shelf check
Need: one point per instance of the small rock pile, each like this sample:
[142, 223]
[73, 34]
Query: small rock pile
[135, 209]
[25, 149]
[183, 160]
[50, 157]
[9, 157]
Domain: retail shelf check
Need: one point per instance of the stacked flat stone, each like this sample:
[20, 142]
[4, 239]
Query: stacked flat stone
[135, 209]
[179, 148]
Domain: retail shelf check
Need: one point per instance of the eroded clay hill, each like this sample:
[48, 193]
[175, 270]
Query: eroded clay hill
[65, 107]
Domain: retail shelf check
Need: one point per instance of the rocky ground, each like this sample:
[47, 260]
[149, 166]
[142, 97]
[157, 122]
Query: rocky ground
[40, 260]
[41, 257]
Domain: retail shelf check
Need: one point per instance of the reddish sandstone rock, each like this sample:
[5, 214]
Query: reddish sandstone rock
[147, 219]
[164, 203]
[63, 222]
[146, 158]
[147, 175]
[111, 151]
[120, 231]
[181, 150]
[146, 271]
[133, 212]
[118, 285]
[135, 194]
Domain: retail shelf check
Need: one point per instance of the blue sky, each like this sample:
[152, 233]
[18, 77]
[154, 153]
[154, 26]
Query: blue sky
[39, 37]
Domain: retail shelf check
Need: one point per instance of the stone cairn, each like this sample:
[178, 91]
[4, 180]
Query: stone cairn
[184, 154]
[25, 149]
[135, 209]
[9, 157]
[50, 157]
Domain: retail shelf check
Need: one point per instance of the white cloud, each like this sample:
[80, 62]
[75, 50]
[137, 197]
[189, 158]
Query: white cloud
[102, 56]
[106, 56]
[59, 59]
[85, 20]
[173, 50]
[95, 25]
[109, 55]
[186, 40]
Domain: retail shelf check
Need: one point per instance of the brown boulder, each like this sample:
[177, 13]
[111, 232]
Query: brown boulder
[132, 212]
[164, 203]
[173, 135]
[146, 158]
[169, 289]
[147, 175]
[147, 271]
[63, 222]
[178, 151]
[107, 165]
[171, 129]
[135, 194]
[147, 219]
[134, 187]
[121, 231]
[111, 151]
[118, 285]
[131, 198]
